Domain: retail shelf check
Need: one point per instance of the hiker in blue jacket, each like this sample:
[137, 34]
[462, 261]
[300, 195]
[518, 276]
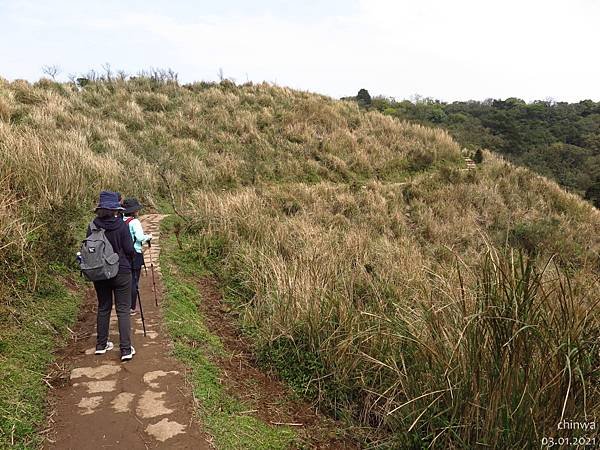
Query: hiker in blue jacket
[132, 207]
[117, 233]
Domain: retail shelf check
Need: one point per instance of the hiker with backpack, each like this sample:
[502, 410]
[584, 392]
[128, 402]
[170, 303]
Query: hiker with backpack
[132, 207]
[106, 259]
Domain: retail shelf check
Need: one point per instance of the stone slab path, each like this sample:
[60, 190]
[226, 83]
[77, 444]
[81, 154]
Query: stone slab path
[140, 404]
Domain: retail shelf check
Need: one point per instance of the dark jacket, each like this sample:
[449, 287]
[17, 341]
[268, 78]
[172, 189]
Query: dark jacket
[117, 233]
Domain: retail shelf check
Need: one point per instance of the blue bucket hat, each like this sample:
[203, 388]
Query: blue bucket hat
[131, 204]
[109, 200]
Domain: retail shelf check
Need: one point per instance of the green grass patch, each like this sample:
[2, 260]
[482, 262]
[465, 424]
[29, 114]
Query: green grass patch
[221, 413]
[32, 327]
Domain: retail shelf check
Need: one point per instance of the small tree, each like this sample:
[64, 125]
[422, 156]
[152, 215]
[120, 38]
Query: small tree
[478, 157]
[593, 193]
[51, 71]
[108, 72]
[364, 98]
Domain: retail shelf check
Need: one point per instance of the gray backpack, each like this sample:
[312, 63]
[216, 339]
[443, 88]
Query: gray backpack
[98, 259]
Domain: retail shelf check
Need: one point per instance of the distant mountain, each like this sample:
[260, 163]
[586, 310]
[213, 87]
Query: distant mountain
[556, 139]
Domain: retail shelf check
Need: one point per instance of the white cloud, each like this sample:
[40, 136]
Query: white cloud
[460, 49]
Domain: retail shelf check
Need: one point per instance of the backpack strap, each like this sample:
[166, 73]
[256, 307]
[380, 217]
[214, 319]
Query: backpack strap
[129, 219]
[94, 227]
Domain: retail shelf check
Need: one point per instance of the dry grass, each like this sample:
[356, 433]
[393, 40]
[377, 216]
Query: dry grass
[421, 325]
[60, 146]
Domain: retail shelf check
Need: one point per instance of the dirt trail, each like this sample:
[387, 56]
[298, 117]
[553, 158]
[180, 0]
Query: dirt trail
[141, 404]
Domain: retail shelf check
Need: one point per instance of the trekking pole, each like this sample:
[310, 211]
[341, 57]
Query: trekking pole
[152, 270]
[141, 311]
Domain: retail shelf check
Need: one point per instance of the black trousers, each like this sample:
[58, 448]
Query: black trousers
[120, 288]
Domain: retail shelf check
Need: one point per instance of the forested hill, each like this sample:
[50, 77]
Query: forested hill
[558, 140]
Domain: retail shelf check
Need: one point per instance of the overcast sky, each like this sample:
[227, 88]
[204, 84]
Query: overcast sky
[451, 50]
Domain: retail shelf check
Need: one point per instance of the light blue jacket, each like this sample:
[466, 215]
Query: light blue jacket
[137, 234]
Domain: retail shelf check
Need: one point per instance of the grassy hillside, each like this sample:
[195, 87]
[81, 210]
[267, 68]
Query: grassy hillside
[558, 140]
[425, 302]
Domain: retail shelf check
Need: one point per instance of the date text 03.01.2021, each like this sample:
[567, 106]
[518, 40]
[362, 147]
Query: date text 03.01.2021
[550, 442]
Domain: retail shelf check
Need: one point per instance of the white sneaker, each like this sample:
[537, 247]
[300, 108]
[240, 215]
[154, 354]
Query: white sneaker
[128, 356]
[102, 351]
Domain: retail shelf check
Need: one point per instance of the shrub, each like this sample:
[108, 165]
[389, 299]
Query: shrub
[153, 102]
